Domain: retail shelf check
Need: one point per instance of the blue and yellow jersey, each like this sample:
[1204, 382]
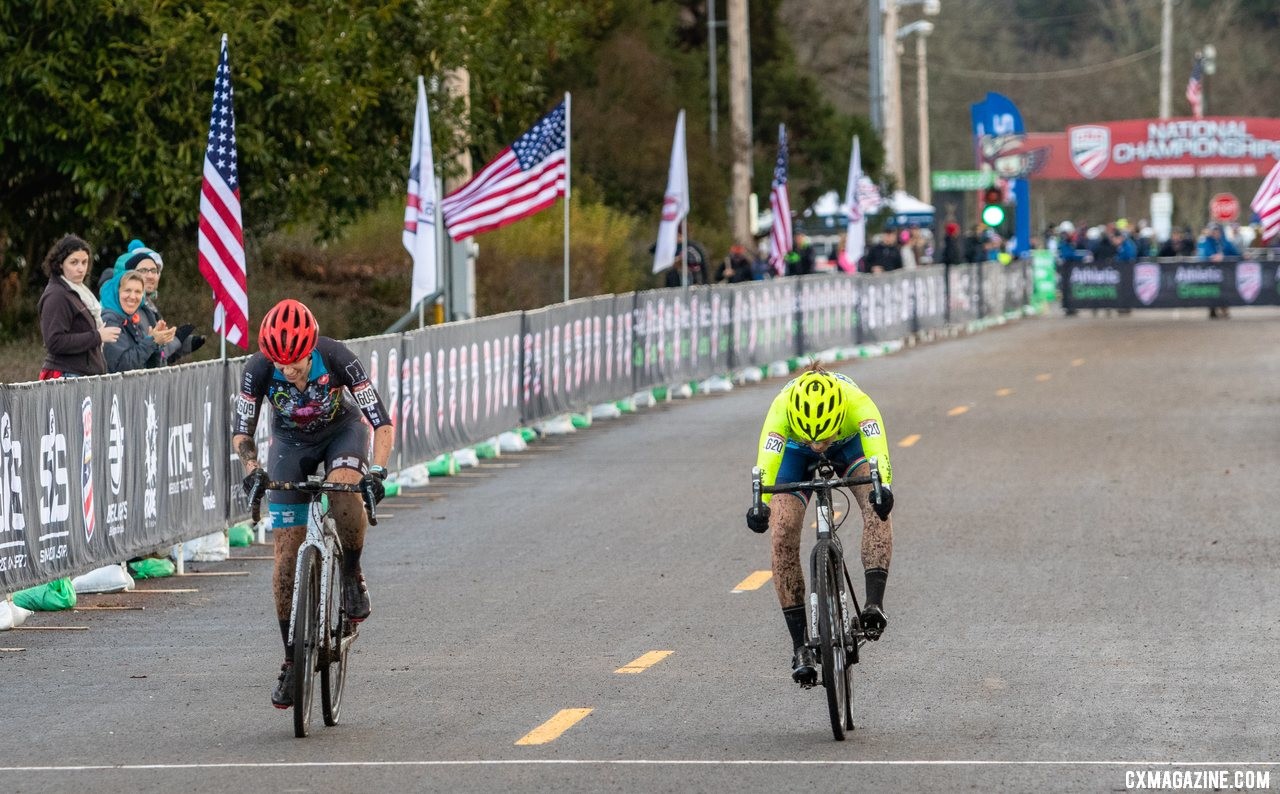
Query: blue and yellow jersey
[862, 418]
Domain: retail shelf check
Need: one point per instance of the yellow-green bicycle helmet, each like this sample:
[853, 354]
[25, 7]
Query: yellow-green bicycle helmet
[817, 406]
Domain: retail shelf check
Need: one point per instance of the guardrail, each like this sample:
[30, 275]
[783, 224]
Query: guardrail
[97, 470]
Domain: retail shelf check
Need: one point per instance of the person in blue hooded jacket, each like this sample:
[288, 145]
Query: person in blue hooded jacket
[137, 346]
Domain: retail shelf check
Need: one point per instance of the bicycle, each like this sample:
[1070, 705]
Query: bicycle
[833, 630]
[317, 603]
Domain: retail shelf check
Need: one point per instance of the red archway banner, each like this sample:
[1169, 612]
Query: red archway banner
[1220, 146]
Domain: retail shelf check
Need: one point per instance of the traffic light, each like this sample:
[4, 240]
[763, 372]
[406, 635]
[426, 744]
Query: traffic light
[993, 212]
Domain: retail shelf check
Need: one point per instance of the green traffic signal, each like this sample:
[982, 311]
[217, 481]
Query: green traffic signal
[993, 215]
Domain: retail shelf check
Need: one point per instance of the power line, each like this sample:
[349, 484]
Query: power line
[1073, 72]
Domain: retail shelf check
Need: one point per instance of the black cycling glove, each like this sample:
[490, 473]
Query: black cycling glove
[371, 484]
[885, 504]
[255, 485]
[758, 518]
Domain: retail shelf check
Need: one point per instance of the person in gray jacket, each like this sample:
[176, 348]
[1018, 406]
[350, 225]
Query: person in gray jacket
[137, 346]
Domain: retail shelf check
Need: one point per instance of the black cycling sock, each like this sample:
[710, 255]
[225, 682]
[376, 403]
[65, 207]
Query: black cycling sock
[876, 578]
[351, 561]
[284, 635]
[795, 624]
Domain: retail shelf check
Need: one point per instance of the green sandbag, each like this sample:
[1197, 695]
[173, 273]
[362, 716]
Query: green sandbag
[486, 450]
[528, 434]
[240, 534]
[391, 488]
[152, 568]
[49, 597]
[627, 406]
[443, 466]
[580, 421]
[660, 394]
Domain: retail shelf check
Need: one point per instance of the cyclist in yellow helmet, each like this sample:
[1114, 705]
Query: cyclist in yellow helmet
[823, 414]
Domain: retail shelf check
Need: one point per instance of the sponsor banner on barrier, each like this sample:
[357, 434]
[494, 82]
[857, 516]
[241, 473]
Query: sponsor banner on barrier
[887, 305]
[681, 334]
[828, 311]
[930, 297]
[964, 297]
[1170, 284]
[576, 354]
[764, 321]
[98, 470]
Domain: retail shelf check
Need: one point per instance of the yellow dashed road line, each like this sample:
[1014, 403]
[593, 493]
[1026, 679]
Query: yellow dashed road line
[753, 582]
[1043, 376]
[1075, 362]
[909, 441]
[1003, 392]
[959, 409]
[644, 662]
[550, 730]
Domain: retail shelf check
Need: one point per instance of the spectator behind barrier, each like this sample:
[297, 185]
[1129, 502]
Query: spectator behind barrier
[1215, 247]
[150, 264]
[70, 317]
[139, 345]
[736, 267]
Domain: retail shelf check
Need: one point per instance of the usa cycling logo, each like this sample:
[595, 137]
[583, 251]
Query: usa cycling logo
[1090, 149]
[1146, 282]
[86, 470]
[1249, 281]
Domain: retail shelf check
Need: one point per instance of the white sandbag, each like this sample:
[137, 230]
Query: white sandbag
[779, 369]
[716, 383]
[213, 547]
[107, 579]
[643, 399]
[748, 375]
[512, 441]
[556, 426]
[466, 458]
[682, 392]
[413, 476]
[605, 411]
[829, 356]
[12, 615]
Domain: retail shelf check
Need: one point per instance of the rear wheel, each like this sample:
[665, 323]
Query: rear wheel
[333, 662]
[306, 637]
[826, 577]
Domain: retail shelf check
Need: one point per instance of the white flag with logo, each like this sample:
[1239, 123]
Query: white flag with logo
[675, 204]
[855, 239]
[419, 235]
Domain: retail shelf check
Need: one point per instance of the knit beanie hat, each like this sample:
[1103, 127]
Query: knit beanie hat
[136, 253]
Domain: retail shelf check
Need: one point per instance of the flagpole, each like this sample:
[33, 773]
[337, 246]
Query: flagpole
[568, 169]
[684, 252]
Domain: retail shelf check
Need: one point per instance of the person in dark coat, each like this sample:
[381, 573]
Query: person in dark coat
[70, 316]
[138, 346]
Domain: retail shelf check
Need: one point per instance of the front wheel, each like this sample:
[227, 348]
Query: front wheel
[333, 662]
[306, 637]
[826, 566]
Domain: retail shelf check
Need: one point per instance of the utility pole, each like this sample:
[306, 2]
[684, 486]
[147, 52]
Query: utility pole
[740, 117]
[893, 97]
[875, 59]
[712, 77]
[1162, 200]
[460, 264]
[922, 111]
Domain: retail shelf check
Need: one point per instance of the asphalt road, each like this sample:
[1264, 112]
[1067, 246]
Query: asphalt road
[1083, 586]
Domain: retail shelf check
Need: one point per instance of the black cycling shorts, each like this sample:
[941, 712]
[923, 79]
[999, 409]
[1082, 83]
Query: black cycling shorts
[341, 446]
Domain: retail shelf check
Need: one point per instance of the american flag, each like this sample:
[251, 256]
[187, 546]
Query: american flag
[221, 247]
[780, 204]
[1195, 93]
[527, 176]
[1267, 204]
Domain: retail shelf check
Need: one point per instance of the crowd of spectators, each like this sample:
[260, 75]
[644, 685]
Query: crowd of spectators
[118, 329]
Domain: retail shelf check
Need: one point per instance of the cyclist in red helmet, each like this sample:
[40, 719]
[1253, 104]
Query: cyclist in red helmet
[318, 388]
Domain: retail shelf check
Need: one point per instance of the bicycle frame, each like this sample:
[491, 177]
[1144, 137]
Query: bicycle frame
[327, 543]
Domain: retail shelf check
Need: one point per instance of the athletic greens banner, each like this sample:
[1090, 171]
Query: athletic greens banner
[1170, 284]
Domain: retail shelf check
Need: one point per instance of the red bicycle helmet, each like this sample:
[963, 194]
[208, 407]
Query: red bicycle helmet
[288, 332]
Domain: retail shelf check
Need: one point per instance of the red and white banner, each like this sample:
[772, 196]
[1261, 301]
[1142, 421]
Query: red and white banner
[1218, 146]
